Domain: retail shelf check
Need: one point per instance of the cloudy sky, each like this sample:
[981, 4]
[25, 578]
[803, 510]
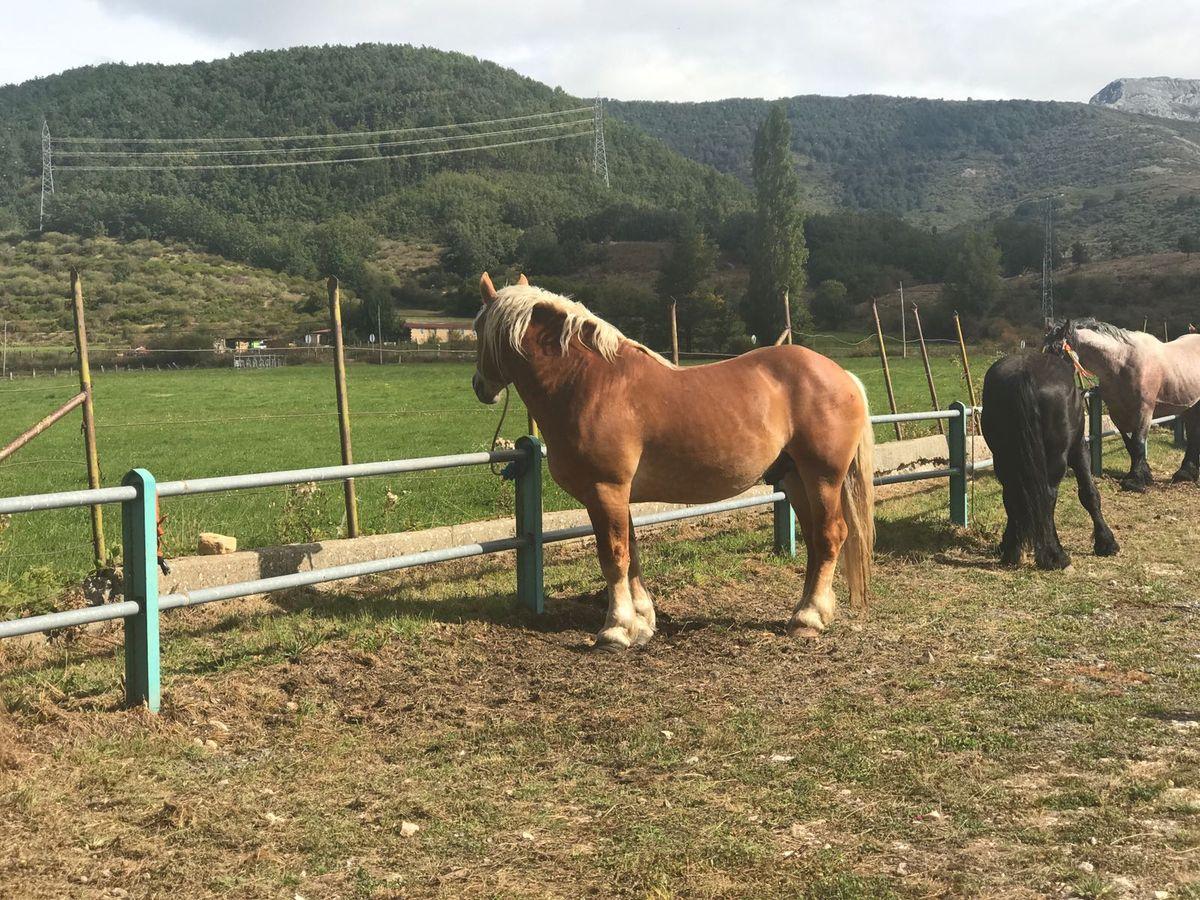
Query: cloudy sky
[648, 49]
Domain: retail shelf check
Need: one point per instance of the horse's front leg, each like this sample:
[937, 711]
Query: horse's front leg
[609, 512]
[1189, 469]
[643, 603]
[1139, 477]
[1103, 541]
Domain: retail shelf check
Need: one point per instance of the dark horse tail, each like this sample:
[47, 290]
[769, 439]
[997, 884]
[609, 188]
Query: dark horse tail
[1031, 481]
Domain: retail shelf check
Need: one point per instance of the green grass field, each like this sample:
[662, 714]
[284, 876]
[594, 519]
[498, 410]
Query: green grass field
[195, 423]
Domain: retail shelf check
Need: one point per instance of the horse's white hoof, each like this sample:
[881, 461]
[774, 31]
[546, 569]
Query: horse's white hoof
[804, 631]
[612, 640]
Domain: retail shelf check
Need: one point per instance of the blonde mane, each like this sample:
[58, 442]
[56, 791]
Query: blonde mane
[509, 315]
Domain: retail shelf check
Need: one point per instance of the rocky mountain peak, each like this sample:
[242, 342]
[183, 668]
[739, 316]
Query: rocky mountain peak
[1168, 98]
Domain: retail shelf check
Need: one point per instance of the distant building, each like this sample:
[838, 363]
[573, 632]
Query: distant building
[318, 338]
[425, 332]
[238, 344]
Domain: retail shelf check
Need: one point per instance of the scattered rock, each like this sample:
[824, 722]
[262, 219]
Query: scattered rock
[408, 829]
[1086, 867]
[213, 544]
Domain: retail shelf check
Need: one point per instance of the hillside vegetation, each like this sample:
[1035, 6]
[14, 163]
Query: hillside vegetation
[324, 218]
[1118, 179]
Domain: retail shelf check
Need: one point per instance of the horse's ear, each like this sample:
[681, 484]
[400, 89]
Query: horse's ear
[523, 280]
[487, 290]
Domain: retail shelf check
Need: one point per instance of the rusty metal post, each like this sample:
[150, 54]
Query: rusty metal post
[89, 417]
[928, 371]
[887, 372]
[343, 403]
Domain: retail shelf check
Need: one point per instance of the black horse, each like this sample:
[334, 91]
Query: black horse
[1033, 422]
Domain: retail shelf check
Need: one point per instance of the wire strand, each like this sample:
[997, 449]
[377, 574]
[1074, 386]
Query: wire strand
[322, 148]
[321, 162]
[307, 137]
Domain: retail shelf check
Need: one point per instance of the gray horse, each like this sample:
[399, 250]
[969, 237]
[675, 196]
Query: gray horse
[1141, 378]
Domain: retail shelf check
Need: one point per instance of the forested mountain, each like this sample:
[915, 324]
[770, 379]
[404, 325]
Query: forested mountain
[307, 218]
[1117, 179]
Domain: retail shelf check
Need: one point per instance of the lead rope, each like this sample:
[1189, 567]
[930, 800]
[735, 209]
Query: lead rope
[496, 436]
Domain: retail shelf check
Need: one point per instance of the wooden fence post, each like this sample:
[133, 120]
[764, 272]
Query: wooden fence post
[674, 336]
[787, 314]
[887, 372]
[928, 371]
[99, 552]
[530, 585]
[343, 403]
[962, 349]
[139, 548]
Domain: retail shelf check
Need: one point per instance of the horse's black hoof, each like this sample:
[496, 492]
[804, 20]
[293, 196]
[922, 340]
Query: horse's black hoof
[611, 647]
[1135, 485]
[1186, 475]
[1108, 547]
[1053, 561]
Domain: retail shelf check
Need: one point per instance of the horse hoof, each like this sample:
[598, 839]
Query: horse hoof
[1182, 476]
[1052, 563]
[1108, 548]
[804, 631]
[642, 638]
[608, 647]
[1136, 487]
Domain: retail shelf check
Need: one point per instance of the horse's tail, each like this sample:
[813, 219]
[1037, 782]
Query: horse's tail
[1032, 478]
[858, 510]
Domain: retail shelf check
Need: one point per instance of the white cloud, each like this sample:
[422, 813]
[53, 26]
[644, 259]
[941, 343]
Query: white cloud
[652, 49]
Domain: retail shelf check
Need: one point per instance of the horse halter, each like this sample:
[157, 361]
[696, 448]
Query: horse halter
[1074, 357]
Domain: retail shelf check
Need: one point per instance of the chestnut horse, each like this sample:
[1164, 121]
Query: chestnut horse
[621, 424]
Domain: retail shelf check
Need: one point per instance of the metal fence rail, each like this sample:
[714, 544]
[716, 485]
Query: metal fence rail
[139, 494]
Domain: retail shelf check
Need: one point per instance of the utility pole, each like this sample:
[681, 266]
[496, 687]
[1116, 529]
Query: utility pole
[379, 328]
[903, 327]
[47, 173]
[599, 153]
[1048, 266]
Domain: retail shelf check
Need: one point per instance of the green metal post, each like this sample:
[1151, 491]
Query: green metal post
[530, 589]
[139, 532]
[1096, 430]
[957, 442]
[785, 526]
[1180, 433]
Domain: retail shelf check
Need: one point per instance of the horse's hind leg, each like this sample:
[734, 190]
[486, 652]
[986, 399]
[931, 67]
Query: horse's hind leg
[1103, 541]
[608, 509]
[643, 603]
[1139, 477]
[816, 608]
[1015, 528]
[1189, 469]
[1048, 550]
[793, 486]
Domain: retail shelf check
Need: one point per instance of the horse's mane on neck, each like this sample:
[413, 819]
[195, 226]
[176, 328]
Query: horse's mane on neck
[510, 314]
[1116, 333]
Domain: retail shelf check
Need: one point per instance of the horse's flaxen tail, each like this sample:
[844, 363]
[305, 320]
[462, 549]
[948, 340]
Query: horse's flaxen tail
[858, 509]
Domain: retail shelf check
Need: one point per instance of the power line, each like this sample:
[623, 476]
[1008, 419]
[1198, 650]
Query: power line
[306, 137]
[327, 147]
[324, 162]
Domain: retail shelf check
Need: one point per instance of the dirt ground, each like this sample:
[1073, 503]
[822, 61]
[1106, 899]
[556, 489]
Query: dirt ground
[982, 732]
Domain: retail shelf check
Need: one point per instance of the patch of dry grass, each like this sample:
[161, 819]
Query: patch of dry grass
[983, 732]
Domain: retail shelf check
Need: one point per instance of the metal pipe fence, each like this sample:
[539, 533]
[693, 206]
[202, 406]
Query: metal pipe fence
[139, 494]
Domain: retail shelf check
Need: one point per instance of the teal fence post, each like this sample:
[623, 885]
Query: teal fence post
[957, 442]
[1180, 433]
[1096, 430]
[785, 526]
[530, 590]
[139, 548]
